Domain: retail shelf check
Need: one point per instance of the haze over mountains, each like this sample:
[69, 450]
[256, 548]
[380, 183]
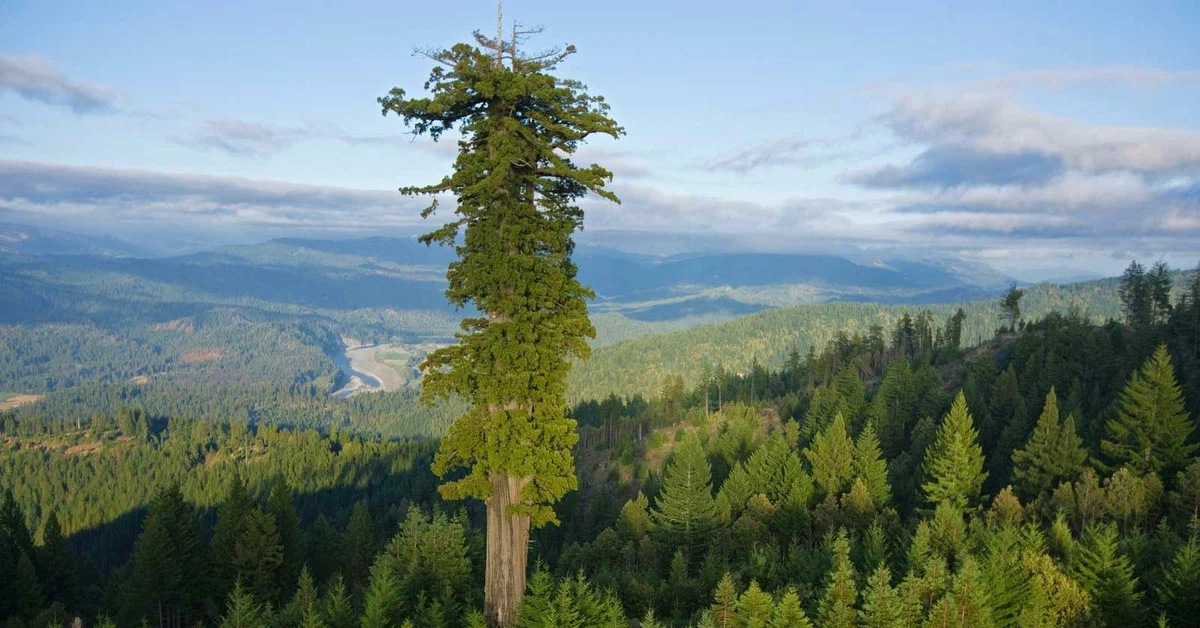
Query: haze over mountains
[400, 273]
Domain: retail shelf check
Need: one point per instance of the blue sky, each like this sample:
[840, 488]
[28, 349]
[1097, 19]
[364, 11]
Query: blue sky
[1038, 139]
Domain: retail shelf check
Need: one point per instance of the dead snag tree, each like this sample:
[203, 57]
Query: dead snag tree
[515, 187]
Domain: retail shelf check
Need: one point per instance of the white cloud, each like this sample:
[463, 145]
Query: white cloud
[35, 79]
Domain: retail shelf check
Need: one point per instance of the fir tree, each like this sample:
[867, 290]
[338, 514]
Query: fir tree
[954, 463]
[231, 516]
[832, 458]
[323, 551]
[358, 546]
[382, 604]
[1107, 575]
[58, 566]
[870, 467]
[755, 607]
[25, 589]
[724, 607]
[881, 602]
[241, 611]
[337, 610]
[1151, 430]
[789, 613]
[258, 554]
[837, 604]
[685, 513]
[291, 537]
[515, 189]
[1053, 454]
[1177, 593]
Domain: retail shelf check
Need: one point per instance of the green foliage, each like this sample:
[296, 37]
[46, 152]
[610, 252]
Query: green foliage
[1107, 575]
[514, 185]
[241, 611]
[1177, 592]
[881, 607]
[684, 513]
[837, 608]
[1053, 454]
[832, 458]
[1152, 428]
[954, 463]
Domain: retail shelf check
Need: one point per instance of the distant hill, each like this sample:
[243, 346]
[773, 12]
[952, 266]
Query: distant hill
[639, 365]
[25, 240]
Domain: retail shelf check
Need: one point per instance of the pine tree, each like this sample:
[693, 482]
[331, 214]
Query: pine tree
[724, 607]
[231, 515]
[954, 462]
[754, 607]
[832, 458]
[258, 554]
[1177, 592]
[358, 546]
[881, 602]
[59, 572]
[1107, 575]
[515, 188]
[966, 606]
[241, 611]
[26, 590]
[337, 611]
[1151, 430]
[789, 613]
[684, 512]
[837, 604]
[323, 551]
[382, 605]
[1053, 454]
[291, 537]
[870, 467]
[1010, 304]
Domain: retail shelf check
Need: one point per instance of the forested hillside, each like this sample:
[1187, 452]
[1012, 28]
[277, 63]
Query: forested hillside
[254, 330]
[1045, 476]
[769, 337]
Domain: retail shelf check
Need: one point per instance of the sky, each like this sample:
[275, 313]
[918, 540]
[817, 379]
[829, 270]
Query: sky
[1040, 138]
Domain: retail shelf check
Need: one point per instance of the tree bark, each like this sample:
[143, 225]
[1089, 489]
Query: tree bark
[507, 551]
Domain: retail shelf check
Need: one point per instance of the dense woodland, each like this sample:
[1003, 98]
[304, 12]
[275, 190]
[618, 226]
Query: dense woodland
[903, 476]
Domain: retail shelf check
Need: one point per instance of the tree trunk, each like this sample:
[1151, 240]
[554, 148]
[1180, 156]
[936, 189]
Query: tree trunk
[507, 552]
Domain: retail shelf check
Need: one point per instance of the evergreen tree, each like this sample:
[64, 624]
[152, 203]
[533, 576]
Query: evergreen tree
[1136, 297]
[837, 604]
[383, 606]
[870, 467]
[1107, 575]
[25, 589]
[1151, 430]
[789, 613]
[337, 611]
[291, 537]
[1177, 592]
[323, 550]
[59, 573]
[954, 462]
[358, 546]
[1010, 304]
[832, 458]
[231, 516]
[755, 607]
[242, 611]
[881, 603]
[258, 554]
[724, 607]
[684, 512]
[1053, 454]
[515, 187]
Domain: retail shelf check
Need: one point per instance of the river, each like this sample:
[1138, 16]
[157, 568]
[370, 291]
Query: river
[353, 362]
